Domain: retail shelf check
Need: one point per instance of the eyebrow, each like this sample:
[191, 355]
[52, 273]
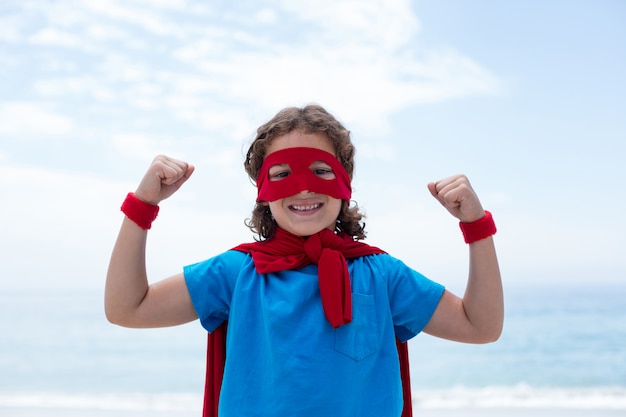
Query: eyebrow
[287, 164]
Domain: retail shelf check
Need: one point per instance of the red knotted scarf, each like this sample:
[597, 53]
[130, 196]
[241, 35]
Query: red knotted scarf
[285, 251]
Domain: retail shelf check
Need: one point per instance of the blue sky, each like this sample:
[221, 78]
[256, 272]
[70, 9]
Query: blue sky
[525, 97]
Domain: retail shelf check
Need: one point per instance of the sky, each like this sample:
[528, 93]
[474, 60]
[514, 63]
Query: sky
[526, 98]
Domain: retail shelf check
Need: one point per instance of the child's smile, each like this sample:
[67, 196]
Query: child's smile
[305, 209]
[306, 213]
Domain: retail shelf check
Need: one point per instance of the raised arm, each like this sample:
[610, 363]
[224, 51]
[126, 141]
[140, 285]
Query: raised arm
[477, 317]
[130, 300]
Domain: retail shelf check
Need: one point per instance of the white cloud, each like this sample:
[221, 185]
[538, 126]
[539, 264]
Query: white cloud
[25, 118]
[389, 25]
[56, 37]
[137, 15]
[364, 90]
[365, 76]
[101, 32]
[266, 16]
[165, 4]
[140, 147]
[74, 86]
[361, 58]
[10, 28]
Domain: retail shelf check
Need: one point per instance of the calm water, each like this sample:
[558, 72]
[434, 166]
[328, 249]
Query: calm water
[562, 349]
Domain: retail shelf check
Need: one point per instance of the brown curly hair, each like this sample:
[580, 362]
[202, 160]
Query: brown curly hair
[309, 119]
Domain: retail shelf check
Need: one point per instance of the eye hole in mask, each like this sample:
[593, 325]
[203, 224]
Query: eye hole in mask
[290, 171]
[318, 168]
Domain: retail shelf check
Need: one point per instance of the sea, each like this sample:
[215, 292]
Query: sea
[562, 353]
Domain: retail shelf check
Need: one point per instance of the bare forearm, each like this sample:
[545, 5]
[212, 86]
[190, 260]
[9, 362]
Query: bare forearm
[478, 316]
[483, 300]
[126, 282]
[130, 300]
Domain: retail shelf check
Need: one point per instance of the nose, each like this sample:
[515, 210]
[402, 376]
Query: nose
[303, 193]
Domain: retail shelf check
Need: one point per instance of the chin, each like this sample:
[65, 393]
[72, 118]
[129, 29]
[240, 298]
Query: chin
[305, 231]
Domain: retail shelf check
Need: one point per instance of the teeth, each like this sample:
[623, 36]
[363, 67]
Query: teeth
[305, 208]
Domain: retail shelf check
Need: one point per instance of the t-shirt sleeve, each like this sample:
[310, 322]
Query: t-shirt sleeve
[413, 298]
[211, 283]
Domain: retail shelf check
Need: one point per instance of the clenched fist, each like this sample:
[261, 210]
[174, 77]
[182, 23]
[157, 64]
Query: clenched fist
[163, 178]
[458, 197]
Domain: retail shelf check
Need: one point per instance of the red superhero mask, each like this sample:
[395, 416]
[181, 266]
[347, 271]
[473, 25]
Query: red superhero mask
[301, 177]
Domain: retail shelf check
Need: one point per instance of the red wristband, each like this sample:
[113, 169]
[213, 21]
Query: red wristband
[478, 230]
[143, 214]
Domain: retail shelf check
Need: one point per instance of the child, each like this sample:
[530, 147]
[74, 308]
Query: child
[313, 313]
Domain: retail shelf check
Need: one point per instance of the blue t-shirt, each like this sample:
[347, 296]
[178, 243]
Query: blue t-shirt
[283, 356]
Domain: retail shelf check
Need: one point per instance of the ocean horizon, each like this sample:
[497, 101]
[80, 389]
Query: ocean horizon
[562, 352]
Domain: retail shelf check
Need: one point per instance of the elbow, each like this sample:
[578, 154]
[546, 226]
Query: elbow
[119, 311]
[116, 316]
[113, 317]
[491, 338]
[490, 335]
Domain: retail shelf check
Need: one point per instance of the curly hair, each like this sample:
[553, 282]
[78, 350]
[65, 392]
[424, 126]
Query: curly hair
[309, 119]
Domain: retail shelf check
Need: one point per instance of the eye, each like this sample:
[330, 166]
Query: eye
[279, 172]
[323, 170]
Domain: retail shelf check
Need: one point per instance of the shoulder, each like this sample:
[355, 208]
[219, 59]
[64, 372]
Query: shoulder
[225, 264]
[391, 269]
[381, 267]
[383, 263]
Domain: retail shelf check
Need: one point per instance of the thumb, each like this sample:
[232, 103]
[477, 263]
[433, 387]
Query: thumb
[432, 187]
